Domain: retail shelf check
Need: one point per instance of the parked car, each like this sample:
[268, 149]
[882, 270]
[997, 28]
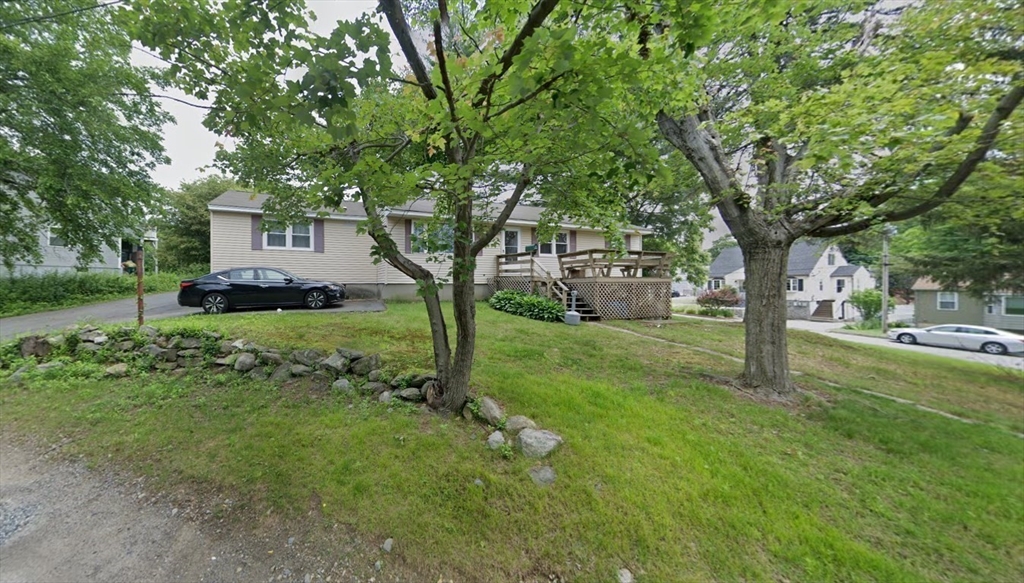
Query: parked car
[980, 338]
[248, 287]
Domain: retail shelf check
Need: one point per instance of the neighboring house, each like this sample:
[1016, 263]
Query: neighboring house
[935, 305]
[330, 247]
[59, 257]
[819, 281]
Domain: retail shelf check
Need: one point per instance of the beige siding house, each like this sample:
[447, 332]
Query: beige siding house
[330, 247]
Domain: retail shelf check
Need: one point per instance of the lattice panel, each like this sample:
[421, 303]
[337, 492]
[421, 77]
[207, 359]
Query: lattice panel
[626, 300]
[497, 284]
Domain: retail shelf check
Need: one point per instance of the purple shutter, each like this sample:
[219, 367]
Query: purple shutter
[408, 235]
[572, 241]
[257, 234]
[629, 242]
[318, 235]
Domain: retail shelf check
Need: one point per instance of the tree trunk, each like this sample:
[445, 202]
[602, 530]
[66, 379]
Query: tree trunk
[766, 366]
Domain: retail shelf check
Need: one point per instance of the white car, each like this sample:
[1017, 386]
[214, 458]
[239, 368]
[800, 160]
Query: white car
[980, 338]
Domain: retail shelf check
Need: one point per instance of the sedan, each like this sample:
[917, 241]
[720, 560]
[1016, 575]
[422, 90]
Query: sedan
[250, 287]
[980, 338]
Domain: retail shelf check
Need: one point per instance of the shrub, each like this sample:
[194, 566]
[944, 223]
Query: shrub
[715, 312]
[530, 306]
[869, 302]
[719, 298]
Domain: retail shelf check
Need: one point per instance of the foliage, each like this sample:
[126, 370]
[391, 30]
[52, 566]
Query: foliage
[79, 130]
[721, 244]
[185, 222]
[727, 296]
[869, 302]
[714, 312]
[30, 293]
[528, 305]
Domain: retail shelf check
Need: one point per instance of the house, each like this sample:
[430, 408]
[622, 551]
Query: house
[331, 248]
[935, 305]
[819, 279]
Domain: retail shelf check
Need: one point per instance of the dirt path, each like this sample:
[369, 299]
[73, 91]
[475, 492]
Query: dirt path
[60, 521]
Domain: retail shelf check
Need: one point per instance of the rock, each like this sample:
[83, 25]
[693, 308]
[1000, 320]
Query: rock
[308, 357]
[18, 375]
[342, 385]
[221, 362]
[385, 397]
[491, 411]
[245, 362]
[349, 354]
[91, 334]
[378, 565]
[161, 341]
[301, 370]
[373, 376]
[495, 440]
[537, 443]
[88, 347]
[364, 365]
[335, 363]
[421, 379]
[271, 357]
[56, 341]
[238, 344]
[174, 342]
[321, 379]
[542, 476]
[259, 374]
[35, 346]
[467, 413]
[166, 365]
[149, 331]
[411, 394]
[100, 340]
[170, 354]
[214, 335]
[386, 547]
[178, 373]
[478, 482]
[624, 576]
[190, 362]
[118, 370]
[153, 350]
[124, 346]
[282, 373]
[517, 423]
[190, 343]
[429, 386]
[226, 347]
[374, 388]
[190, 353]
[50, 366]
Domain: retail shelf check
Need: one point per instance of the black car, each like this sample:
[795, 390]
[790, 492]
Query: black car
[249, 287]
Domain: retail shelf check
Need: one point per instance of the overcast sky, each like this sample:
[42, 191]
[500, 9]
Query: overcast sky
[189, 145]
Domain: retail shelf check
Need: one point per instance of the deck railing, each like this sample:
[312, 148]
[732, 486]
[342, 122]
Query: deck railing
[525, 265]
[609, 263]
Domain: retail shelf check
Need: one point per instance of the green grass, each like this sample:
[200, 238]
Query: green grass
[663, 473]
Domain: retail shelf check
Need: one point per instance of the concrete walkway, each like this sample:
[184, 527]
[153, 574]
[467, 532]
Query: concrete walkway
[158, 306]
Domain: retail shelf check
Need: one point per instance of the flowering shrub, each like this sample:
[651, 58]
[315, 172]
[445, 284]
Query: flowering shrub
[719, 298]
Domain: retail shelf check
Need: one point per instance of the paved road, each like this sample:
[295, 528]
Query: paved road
[158, 306]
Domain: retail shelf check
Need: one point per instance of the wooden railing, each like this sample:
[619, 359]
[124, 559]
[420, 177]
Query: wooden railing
[607, 262]
[525, 265]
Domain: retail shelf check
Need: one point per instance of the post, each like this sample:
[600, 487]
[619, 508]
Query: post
[886, 232]
[140, 267]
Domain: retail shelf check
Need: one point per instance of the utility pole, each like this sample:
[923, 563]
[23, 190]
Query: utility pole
[887, 231]
[140, 267]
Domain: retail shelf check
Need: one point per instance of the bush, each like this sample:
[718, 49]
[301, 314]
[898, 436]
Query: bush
[716, 312]
[719, 298]
[869, 302]
[530, 306]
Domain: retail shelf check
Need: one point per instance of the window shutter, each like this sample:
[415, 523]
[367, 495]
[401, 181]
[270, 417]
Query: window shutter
[572, 241]
[800, 284]
[318, 235]
[629, 242]
[257, 234]
[408, 235]
[533, 236]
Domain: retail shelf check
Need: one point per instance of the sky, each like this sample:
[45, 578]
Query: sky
[188, 144]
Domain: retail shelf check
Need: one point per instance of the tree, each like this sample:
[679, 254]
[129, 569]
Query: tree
[721, 244]
[79, 132]
[868, 302]
[920, 112]
[185, 223]
[508, 100]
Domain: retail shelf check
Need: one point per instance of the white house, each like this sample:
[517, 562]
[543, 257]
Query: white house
[57, 256]
[330, 247]
[819, 281]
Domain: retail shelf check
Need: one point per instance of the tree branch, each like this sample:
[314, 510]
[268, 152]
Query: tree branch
[392, 9]
[506, 212]
[533, 94]
[533, 21]
[449, 93]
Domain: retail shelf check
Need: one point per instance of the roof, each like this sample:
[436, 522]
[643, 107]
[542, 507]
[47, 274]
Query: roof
[803, 256]
[846, 270]
[237, 201]
[927, 284]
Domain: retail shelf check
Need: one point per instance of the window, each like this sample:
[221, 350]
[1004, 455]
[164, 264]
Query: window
[243, 275]
[560, 244]
[831, 258]
[511, 241]
[821, 285]
[794, 284]
[714, 284]
[281, 236]
[272, 275]
[1013, 305]
[840, 285]
[948, 301]
[439, 239]
[54, 240]
[990, 309]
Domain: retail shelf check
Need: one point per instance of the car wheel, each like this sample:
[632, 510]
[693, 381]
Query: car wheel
[906, 339]
[316, 299]
[993, 348]
[215, 304]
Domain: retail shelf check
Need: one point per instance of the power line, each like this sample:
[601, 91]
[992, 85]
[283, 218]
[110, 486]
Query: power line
[55, 15]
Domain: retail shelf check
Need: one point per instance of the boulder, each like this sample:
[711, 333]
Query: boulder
[517, 423]
[190, 353]
[231, 359]
[467, 413]
[174, 342]
[321, 379]
[88, 347]
[118, 370]
[221, 362]
[301, 370]
[56, 341]
[384, 397]
[245, 362]
[35, 346]
[374, 376]
[170, 354]
[259, 374]
[421, 379]
[542, 476]
[425, 391]
[238, 344]
[495, 440]
[335, 363]
[166, 365]
[624, 576]
[308, 357]
[491, 411]
[178, 372]
[214, 335]
[90, 334]
[153, 350]
[18, 375]
[101, 339]
[226, 347]
[149, 331]
[161, 341]
[271, 357]
[124, 346]
[50, 366]
[364, 365]
[190, 362]
[349, 353]
[411, 394]
[282, 373]
[342, 385]
[537, 443]
[374, 388]
[190, 343]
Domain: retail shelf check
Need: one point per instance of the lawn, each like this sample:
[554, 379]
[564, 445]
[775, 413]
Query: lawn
[663, 472]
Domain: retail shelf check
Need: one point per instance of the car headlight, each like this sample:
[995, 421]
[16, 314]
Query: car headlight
[333, 287]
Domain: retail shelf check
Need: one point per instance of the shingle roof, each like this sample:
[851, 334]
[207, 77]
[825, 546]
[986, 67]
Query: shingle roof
[845, 270]
[728, 261]
[803, 256]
